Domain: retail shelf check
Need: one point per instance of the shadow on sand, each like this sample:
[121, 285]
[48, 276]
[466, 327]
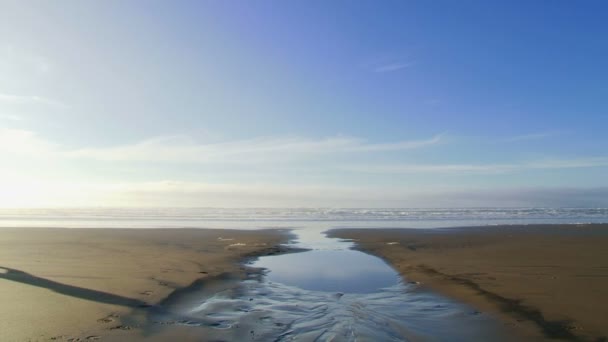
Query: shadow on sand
[69, 290]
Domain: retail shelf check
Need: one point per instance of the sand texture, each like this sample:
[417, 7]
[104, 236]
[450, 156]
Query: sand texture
[76, 284]
[545, 281]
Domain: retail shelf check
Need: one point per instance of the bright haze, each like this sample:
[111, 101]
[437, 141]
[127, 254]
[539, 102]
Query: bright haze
[303, 103]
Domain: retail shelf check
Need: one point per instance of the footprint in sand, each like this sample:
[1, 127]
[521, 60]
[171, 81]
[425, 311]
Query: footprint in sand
[78, 339]
[108, 319]
[121, 327]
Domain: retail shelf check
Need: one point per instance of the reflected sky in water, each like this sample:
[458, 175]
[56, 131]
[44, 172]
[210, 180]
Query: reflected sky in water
[345, 271]
[329, 266]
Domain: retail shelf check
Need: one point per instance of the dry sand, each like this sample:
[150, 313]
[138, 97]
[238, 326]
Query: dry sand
[545, 281]
[75, 284]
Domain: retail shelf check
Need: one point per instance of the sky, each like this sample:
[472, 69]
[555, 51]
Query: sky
[303, 103]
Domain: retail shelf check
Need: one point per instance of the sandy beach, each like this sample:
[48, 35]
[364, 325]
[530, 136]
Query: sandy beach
[544, 281]
[76, 284]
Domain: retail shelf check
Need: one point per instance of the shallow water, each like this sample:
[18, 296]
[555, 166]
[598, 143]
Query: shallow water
[329, 293]
[329, 271]
[329, 266]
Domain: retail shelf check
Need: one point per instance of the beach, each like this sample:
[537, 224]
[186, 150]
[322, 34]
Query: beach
[537, 282]
[78, 284]
[543, 281]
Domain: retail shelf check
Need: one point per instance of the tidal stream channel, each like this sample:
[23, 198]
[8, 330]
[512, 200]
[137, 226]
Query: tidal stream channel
[328, 292]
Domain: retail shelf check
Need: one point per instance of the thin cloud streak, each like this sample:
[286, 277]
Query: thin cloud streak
[393, 67]
[517, 197]
[480, 168]
[10, 117]
[12, 58]
[532, 136]
[21, 143]
[29, 99]
[183, 149]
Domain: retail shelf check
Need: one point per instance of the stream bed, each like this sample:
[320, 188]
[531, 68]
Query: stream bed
[327, 293]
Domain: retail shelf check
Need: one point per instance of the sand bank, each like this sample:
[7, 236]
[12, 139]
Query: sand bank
[546, 281]
[76, 284]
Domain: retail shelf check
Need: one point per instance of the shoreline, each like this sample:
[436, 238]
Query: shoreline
[542, 281]
[84, 284]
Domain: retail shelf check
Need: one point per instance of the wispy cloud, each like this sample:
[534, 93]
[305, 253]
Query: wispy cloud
[429, 168]
[516, 197]
[532, 136]
[10, 117]
[23, 143]
[16, 59]
[394, 66]
[360, 146]
[388, 63]
[184, 149]
[38, 190]
[29, 99]
[480, 168]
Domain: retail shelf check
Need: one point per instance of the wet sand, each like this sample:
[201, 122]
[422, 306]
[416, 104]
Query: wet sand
[546, 282]
[79, 284]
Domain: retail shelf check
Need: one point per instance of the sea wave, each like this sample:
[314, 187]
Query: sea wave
[194, 217]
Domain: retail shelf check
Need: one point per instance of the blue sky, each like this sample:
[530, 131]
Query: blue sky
[304, 103]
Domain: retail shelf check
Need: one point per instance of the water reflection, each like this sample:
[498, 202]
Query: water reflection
[330, 270]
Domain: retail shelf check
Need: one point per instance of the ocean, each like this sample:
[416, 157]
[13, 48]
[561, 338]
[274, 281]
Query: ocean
[253, 218]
